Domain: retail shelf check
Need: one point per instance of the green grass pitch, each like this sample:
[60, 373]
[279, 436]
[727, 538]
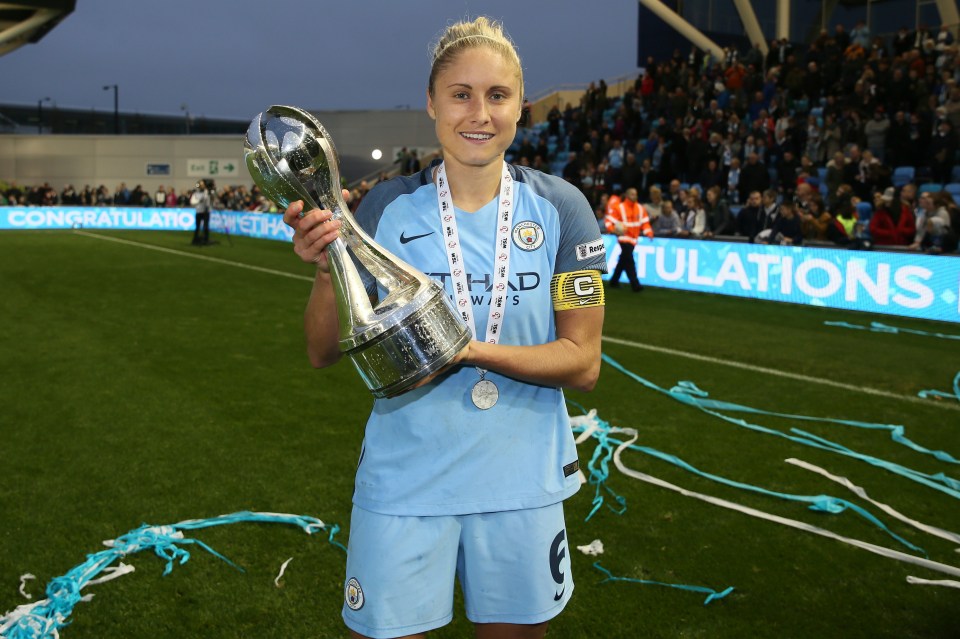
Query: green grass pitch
[143, 386]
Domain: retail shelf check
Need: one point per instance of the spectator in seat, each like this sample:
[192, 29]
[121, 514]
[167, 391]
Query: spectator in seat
[786, 229]
[892, 224]
[816, 220]
[941, 235]
[655, 205]
[668, 224]
[694, 219]
[719, 220]
[750, 220]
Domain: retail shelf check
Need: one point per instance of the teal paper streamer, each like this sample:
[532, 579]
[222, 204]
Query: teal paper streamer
[712, 595]
[687, 393]
[819, 503]
[877, 327]
[44, 619]
[940, 394]
[897, 432]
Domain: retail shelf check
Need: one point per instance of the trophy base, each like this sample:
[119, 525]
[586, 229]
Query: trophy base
[418, 345]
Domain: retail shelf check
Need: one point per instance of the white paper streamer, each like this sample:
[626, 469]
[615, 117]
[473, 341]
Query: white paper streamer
[283, 568]
[949, 583]
[878, 550]
[23, 582]
[860, 492]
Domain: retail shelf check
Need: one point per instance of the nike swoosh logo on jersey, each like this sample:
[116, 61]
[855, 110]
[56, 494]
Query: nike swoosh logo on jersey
[404, 239]
[559, 595]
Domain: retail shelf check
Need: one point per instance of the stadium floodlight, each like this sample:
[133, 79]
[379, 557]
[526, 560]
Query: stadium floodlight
[116, 106]
[40, 114]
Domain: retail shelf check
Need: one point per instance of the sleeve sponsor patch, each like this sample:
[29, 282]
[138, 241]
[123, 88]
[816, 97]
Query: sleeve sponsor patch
[578, 289]
[590, 250]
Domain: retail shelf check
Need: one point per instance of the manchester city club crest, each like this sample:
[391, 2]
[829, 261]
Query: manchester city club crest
[528, 235]
[353, 594]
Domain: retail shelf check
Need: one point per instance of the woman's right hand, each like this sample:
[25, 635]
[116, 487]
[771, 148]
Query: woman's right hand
[312, 233]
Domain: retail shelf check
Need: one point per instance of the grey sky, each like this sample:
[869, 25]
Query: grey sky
[232, 58]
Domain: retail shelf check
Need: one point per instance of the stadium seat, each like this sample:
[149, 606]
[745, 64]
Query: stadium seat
[953, 189]
[955, 175]
[931, 187]
[822, 174]
[903, 175]
[864, 212]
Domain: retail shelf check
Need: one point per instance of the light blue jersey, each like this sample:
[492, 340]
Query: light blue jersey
[431, 451]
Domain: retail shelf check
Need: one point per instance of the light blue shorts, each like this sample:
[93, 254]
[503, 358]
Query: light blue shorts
[513, 567]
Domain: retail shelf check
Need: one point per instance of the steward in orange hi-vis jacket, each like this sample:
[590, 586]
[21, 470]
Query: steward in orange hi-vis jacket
[627, 219]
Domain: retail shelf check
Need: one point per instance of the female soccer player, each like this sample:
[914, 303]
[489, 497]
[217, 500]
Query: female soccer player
[465, 475]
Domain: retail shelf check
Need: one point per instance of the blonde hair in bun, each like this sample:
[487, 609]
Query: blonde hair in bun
[464, 35]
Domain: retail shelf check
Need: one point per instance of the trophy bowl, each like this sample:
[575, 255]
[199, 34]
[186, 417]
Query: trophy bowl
[412, 330]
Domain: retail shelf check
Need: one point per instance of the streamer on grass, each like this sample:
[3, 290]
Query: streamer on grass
[45, 618]
[799, 525]
[688, 393]
[877, 327]
[712, 595]
[601, 430]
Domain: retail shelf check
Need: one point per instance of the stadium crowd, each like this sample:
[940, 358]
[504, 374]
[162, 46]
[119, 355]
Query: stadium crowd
[236, 198]
[850, 141]
[854, 137]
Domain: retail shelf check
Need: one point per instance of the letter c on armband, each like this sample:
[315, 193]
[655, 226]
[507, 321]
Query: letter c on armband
[578, 289]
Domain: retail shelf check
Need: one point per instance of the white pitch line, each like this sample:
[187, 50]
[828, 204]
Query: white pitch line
[195, 256]
[773, 371]
[612, 340]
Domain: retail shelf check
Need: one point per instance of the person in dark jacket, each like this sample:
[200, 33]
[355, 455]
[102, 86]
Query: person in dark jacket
[753, 177]
[750, 220]
[786, 229]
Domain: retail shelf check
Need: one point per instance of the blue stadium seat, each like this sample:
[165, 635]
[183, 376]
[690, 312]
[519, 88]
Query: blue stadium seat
[930, 187]
[953, 189]
[903, 175]
[822, 173]
[864, 212]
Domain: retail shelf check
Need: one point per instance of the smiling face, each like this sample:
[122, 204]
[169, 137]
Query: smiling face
[476, 102]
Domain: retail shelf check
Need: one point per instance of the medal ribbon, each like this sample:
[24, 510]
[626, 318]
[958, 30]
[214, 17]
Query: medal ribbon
[458, 271]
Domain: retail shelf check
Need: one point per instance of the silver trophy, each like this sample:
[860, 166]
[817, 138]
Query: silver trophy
[414, 330]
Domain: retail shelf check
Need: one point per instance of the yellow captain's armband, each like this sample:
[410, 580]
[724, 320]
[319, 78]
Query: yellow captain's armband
[579, 289]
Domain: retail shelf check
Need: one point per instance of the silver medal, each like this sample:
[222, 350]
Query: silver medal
[484, 394]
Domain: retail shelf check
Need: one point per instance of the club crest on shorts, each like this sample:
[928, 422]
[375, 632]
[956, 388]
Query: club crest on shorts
[353, 594]
[528, 235]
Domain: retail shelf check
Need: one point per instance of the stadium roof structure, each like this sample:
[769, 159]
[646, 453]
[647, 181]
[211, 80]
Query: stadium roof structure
[668, 12]
[28, 21]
